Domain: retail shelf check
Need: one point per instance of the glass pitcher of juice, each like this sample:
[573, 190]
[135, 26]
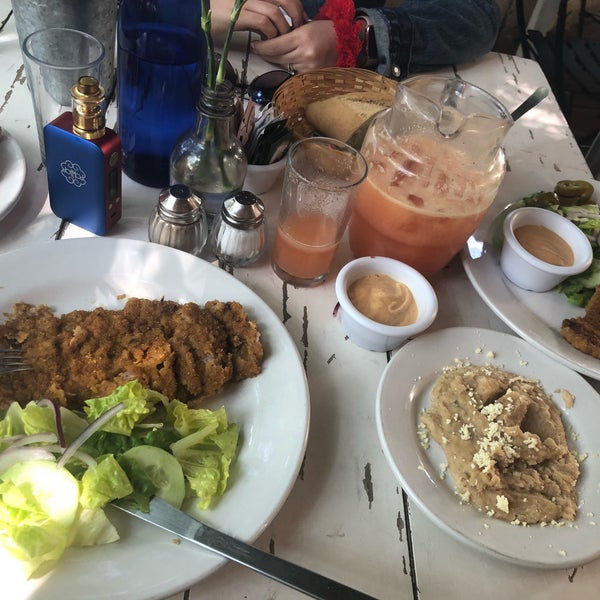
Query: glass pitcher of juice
[435, 163]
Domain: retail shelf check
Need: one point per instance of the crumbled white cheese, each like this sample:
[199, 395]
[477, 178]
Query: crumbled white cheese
[424, 436]
[502, 503]
[465, 431]
[443, 469]
[492, 411]
[531, 442]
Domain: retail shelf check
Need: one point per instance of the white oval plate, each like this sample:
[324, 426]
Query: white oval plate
[404, 393]
[536, 317]
[12, 172]
[272, 410]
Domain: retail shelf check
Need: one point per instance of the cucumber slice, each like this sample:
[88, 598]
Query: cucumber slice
[163, 470]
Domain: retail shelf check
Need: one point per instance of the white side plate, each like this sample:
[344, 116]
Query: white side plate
[536, 317]
[12, 172]
[404, 393]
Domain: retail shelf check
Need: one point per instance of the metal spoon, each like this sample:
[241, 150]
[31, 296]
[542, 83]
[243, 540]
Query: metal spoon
[529, 103]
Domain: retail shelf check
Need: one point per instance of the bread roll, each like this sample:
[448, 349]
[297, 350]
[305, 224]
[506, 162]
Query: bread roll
[340, 116]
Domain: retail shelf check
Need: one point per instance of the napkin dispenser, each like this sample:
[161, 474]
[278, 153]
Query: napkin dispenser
[83, 162]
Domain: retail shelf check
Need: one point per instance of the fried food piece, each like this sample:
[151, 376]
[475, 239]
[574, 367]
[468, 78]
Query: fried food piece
[583, 333]
[243, 335]
[184, 351]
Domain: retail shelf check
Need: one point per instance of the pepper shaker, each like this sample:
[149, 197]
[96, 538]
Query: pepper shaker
[237, 237]
[179, 220]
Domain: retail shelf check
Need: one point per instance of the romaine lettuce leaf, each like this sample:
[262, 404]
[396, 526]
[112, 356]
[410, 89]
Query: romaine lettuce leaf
[579, 288]
[12, 423]
[188, 420]
[207, 466]
[38, 507]
[103, 483]
[93, 528]
[139, 403]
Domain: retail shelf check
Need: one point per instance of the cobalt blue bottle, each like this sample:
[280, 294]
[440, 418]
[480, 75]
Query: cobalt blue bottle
[161, 66]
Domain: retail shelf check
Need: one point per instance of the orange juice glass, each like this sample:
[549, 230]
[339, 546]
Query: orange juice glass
[320, 179]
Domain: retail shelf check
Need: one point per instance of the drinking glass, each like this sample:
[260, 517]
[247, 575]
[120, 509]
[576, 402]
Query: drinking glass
[320, 179]
[55, 59]
[96, 17]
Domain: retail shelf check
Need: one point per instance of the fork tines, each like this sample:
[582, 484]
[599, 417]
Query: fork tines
[11, 360]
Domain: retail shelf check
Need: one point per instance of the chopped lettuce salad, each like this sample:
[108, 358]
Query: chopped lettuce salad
[59, 468]
[573, 200]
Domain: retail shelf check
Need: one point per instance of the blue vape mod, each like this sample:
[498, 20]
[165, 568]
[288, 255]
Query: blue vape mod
[83, 162]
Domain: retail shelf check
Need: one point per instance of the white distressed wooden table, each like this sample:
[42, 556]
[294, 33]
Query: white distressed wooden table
[346, 517]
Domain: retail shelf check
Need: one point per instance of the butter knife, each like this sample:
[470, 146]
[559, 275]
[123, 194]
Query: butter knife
[310, 583]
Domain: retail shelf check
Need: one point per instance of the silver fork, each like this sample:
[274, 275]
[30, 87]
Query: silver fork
[11, 360]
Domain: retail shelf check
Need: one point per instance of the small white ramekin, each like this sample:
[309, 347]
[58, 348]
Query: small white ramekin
[529, 272]
[261, 178]
[369, 334]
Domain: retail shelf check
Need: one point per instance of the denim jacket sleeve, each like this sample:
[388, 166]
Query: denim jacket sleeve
[420, 36]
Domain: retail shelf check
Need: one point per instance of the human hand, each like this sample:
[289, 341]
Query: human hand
[311, 46]
[261, 16]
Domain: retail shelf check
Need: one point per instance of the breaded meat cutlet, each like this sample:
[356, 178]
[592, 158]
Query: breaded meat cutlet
[583, 333]
[185, 351]
[243, 335]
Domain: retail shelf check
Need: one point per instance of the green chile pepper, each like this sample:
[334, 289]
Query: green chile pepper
[573, 192]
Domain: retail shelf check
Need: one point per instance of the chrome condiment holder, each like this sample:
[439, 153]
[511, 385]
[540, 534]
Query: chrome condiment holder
[237, 236]
[179, 220]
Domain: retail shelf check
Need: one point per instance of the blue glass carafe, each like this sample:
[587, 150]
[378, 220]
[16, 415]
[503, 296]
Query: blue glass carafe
[161, 64]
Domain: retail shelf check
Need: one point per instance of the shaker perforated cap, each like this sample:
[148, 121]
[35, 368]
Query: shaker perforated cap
[243, 211]
[178, 204]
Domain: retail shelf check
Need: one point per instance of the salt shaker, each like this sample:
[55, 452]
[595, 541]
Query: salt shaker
[237, 237]
[179, 220]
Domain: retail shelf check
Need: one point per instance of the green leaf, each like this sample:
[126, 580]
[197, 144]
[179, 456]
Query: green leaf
[104, 483]
[38, 507]
[139, 403]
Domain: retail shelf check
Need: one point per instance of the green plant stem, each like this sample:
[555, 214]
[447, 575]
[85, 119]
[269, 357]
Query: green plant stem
[205, 22]
[235, 13]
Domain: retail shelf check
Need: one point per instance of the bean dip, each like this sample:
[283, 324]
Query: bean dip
[505, 445]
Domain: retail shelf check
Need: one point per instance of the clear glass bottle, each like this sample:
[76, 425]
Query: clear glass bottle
[209, 158]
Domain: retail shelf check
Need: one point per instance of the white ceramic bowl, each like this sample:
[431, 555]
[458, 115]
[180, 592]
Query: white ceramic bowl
[529, 272]
[261, 178]
[369, 334]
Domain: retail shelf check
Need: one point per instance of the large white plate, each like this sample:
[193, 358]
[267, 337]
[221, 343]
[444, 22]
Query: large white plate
[404, 392]
[272, 410]
[12, 172]
[536, 317]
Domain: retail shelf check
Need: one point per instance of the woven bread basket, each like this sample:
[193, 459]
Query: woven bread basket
[292, 97]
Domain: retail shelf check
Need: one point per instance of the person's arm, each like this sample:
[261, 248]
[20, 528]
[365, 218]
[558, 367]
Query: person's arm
[416, 36]
[419, 36]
